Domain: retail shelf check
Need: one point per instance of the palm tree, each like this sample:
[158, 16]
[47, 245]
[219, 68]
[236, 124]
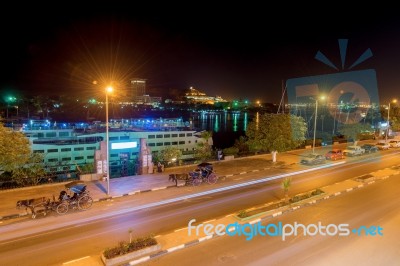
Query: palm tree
[286, 183]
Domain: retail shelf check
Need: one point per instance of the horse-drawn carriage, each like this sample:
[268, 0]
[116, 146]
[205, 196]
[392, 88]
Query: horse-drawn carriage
[74, 197]
[203, 173]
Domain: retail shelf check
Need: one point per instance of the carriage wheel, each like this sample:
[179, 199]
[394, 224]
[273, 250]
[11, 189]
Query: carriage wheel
[85, 202]
[62, 208]
[212, 178]
[196, 181]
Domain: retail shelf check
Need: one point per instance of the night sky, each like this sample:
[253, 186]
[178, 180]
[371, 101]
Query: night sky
[235, 52]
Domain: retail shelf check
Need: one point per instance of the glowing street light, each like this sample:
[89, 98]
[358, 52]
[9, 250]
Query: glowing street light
[108, 90]
[315, 121]
[388, 123]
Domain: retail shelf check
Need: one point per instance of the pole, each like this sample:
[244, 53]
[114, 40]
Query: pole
[107, 149]
[315, 124]
[388, 124]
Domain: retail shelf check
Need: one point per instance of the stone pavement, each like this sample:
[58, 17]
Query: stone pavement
[130, 185]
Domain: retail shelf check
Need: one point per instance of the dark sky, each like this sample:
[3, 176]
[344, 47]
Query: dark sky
[232, 51]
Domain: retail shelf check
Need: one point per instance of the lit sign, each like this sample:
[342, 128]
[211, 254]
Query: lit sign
[123, 145]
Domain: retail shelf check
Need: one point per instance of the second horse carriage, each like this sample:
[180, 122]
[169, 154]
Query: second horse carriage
[76, 196]
[203, 173]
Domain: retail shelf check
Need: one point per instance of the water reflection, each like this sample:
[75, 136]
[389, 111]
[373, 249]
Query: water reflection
[221, 121]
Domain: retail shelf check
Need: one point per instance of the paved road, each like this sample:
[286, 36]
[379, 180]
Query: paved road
[109, 222]
[375, 205]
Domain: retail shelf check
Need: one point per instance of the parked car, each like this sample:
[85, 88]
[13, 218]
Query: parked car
[382, 145]
[394, 143]
[369, 148]
[334, 155]
[312, 159]
[353, 151]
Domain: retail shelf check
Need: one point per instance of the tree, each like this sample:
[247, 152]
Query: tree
[352, 131]
[32, 172]
[242, 145]
[204, 150]
[286, 183]
[169, 155]
[15, 150]
[276, 132]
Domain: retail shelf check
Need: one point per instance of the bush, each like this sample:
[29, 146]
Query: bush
[231, 151]
[243, 214]
[126, 247]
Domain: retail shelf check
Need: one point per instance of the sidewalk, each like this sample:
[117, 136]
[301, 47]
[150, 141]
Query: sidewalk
[130, 185]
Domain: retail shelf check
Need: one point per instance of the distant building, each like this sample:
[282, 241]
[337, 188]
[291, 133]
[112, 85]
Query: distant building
[196, 96]
[138, 88]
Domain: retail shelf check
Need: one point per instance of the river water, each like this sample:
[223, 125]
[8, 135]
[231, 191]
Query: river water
[226, 126]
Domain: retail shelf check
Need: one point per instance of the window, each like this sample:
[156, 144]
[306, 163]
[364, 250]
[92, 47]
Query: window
[159, 136]
[189, 141]
[151, 137]
[63, 134]
[181, 134]
[188, 134]
[174, 135]
[53, 160]
[174, 143]
[79, 158]
[113, 138]
[159, 144]
[78, 149]
[52, 150]
[113, 155]
[167, 135]
[167, 143]
[90, 157]
[90, 148]
[124, 137]
[40, 135]
[152, 144]
[38, 151]
[181, 142]
[65, 149]
[51, 134]
[66, 159]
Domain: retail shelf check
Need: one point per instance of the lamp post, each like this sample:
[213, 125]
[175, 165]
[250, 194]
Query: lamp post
[108, 90]
[388, 123]
[315, 121]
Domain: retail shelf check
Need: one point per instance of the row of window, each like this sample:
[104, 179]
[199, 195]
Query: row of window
[66, 149]
[67, 159]
[160, 136]
[151, 144]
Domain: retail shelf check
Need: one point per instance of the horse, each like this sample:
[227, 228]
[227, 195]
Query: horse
[32, 204]
[176, 177]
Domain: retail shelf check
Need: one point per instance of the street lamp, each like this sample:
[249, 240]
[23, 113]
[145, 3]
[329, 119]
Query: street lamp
[388, 123]
[108, 90]
[315, 121]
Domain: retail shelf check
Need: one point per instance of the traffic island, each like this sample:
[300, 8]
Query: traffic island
[127, 251]
[250, 214]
